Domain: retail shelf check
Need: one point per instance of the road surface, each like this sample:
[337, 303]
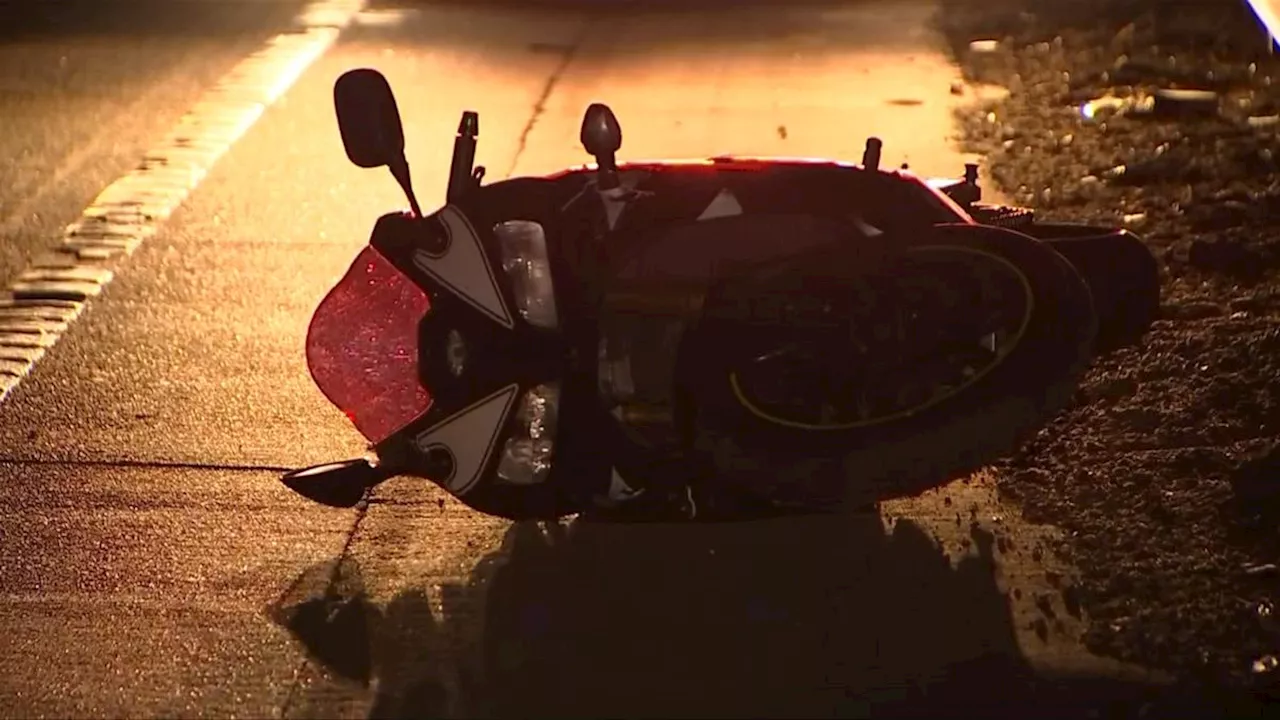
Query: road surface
[152, 565]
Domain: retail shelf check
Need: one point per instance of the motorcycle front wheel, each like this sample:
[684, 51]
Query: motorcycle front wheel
[868, 387]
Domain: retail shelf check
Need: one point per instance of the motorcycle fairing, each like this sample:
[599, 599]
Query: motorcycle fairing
[472, 412]
[677, 192]
[362, 347]
[463, 268]
[364, 344]
[470, 438]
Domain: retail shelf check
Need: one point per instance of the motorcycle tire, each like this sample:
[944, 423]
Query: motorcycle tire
[1121, 272]
[904, 457]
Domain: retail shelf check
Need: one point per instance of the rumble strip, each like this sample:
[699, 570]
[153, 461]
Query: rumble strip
[37, 307]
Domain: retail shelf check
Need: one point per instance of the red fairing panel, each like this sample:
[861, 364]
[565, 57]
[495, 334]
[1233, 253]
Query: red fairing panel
[362, 347]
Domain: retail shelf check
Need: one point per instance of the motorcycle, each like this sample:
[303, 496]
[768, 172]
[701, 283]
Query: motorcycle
[714, 339]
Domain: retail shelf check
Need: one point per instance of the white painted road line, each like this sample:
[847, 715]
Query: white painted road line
[42, 302]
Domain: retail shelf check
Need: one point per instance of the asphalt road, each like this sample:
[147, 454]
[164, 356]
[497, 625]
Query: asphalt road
[151, 564]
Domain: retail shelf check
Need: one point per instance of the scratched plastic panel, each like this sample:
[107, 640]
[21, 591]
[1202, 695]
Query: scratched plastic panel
[362, 347]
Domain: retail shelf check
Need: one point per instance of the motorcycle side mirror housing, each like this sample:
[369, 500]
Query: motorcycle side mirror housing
[601, 136]
[340, 484]
[369, 121]
[368, 118]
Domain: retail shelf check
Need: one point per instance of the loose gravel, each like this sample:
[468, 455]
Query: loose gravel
[1163, 117]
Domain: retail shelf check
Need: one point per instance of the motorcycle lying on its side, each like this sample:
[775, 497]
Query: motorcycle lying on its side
[714, 339]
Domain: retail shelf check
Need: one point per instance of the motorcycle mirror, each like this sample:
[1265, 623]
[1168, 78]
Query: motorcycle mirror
[368, 118]
[369, 121]
[340, 484]
[601, 134]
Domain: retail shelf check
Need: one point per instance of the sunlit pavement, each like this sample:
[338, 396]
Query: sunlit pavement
[151, 564]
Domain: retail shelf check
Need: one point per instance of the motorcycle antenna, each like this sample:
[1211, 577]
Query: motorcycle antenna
[462, 171]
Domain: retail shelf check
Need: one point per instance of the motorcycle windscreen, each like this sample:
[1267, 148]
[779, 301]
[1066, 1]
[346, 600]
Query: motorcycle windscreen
[362, 347]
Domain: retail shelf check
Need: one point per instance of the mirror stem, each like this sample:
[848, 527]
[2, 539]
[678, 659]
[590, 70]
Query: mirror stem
[400, 171]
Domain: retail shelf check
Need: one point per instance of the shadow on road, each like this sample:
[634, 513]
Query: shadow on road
[813, 617]
[819, 617]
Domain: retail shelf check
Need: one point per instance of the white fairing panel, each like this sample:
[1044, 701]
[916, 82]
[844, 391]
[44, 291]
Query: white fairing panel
[463, 267]
[724, 204]
[470, 437]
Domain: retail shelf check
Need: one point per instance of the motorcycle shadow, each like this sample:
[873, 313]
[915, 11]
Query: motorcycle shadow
[825, 616]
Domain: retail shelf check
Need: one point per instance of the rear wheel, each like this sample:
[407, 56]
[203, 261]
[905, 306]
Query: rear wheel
[883, 385]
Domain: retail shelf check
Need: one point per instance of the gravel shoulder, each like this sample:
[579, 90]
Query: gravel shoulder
[1165, 475]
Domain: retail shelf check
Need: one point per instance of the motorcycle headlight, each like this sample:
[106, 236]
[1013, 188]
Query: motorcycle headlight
[527, 455]
[524, 259]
